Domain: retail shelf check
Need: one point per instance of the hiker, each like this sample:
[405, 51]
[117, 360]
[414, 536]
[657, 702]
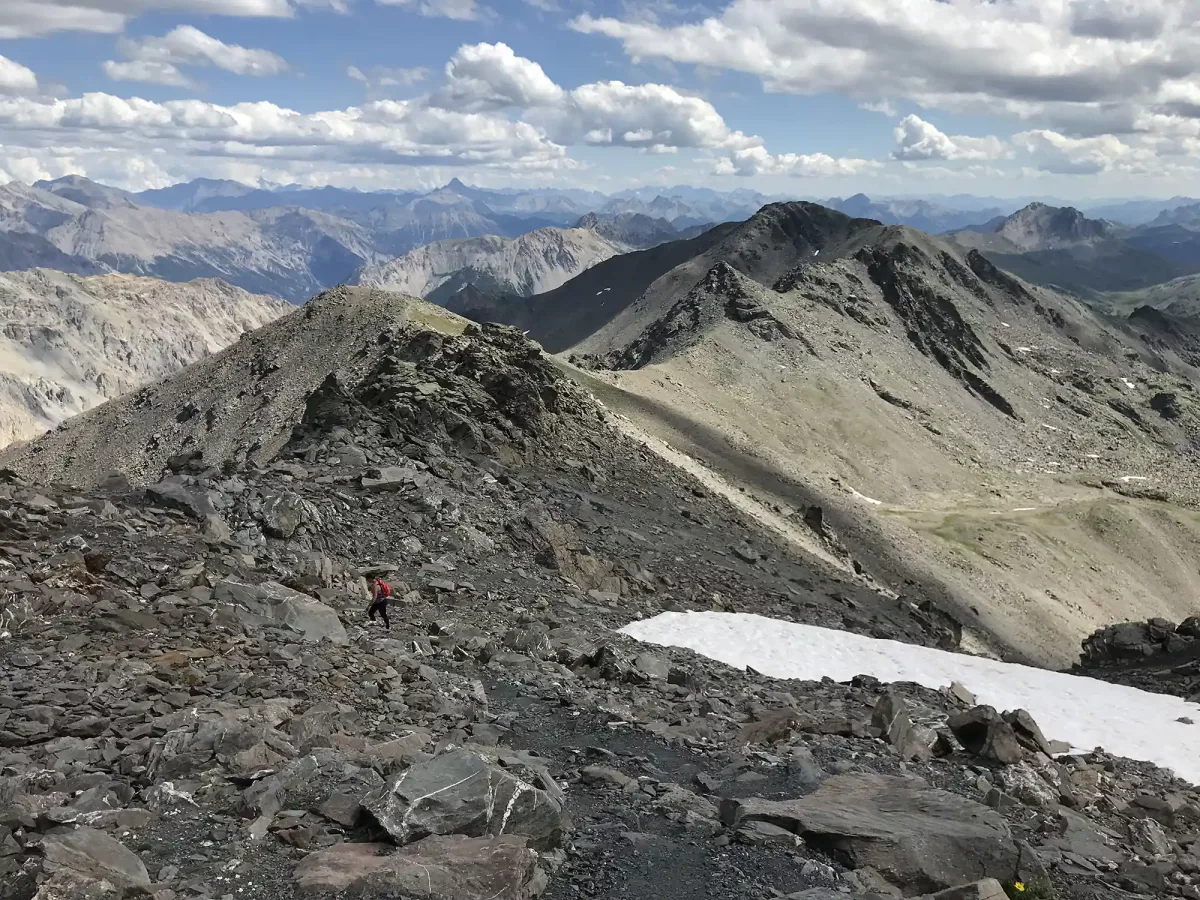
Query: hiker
[381, 591]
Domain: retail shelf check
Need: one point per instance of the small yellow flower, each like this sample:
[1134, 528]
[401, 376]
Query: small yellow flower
[1019, 887]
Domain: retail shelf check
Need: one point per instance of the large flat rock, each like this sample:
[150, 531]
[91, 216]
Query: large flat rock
[920, 838]
[272, 603]
[437, 868]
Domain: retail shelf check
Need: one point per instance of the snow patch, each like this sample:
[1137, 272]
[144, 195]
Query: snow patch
[1082, 711]
[863, 497]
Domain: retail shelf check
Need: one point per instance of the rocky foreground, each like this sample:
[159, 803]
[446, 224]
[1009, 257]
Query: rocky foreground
[195, 706]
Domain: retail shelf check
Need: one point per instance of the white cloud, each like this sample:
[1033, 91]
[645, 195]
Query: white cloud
[883, 107]
[654, 118]
[495, 110]
[1082, 66]
[31, 18]
[16, 78]
[382, 132]
[386, 77]
[1063, 155]
[490, 77]
[147, 72]
[459, 10]
[757, 161]
[156, 59]
[917, 139]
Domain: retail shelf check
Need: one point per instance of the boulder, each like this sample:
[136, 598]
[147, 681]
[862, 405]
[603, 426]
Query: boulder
[283, 514]
[172, 493]
[984, 733]
[92, 855]
[891, 717]
[1027, 785]
[920, 838]
[1028, 732]
[464, 792]
[437, 868]
[273, 604]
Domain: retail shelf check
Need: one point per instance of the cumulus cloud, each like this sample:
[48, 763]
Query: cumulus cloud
[459, 10]
[157, 59]
[1063, 155]
[491, 77]
[494, 109]
[656, 118]
[918, 139]
[385, 131]
[757, 161]
[1079, 65]
[16, 78]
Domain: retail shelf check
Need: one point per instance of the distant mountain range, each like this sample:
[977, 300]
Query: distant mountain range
[292, 241]
[1063, 248]
[923, 215]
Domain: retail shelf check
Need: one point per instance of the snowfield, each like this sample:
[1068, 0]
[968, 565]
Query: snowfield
[1081, 711]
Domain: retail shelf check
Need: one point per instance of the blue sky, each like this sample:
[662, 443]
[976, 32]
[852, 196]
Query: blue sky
[1080, 98]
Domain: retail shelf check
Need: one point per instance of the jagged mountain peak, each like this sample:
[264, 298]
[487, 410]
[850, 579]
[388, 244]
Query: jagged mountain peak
[1042, 227]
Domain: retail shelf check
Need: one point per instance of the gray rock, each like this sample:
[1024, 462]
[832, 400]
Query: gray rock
[437, 868]
[283, 514]
[272, 603]
[173, 494]
[462, 792]
[1028, 732]
[1028, 786]
[394, 478]
[920, 838]
[652, 667]
[1079, 836]
[961, 693]
[1149, 836]
[891, 717]
[341, 808]
[983, 733]
[987, 889]
[94, 856]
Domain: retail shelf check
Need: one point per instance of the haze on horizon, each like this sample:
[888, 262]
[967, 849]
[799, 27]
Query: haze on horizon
[1074, 99]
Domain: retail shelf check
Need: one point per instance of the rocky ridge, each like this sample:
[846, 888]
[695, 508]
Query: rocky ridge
[196, 706]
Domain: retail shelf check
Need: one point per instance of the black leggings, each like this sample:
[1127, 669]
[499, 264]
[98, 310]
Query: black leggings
[380, 606]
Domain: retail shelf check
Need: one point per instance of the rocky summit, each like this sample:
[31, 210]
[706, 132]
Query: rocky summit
[196, 705]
